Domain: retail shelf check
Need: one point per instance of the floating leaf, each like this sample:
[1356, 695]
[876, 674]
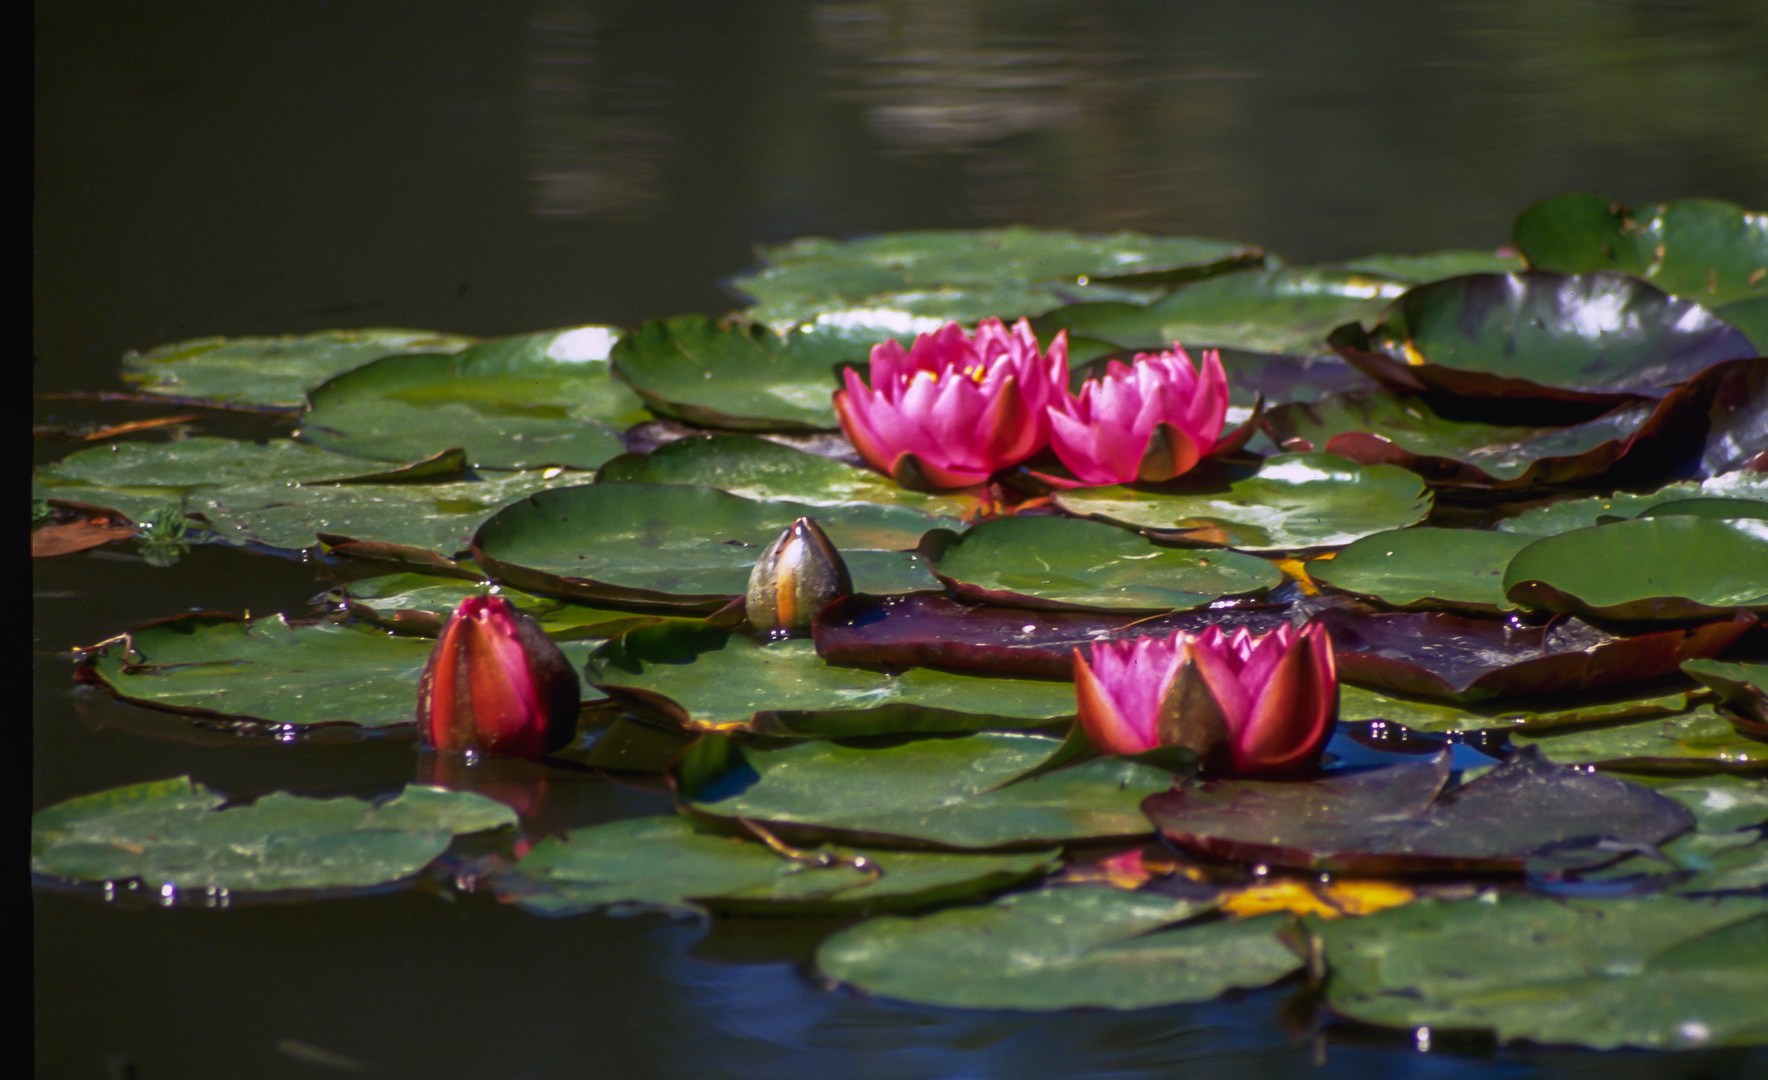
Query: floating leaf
[416, 603]
[1750, 316]
[1568, 514]
[941, 793]
[682, 547]
[1591, 337]
[1700, 739]
[663, 862]
[1059, 948]
[708, 677]
[1293, 501]
[1270, 311]
[1673, 566]
[272, 371]
[1657, 972]
[515, 403]
[1458, 567]
[173, 834]
[1721, 802]
[1710, 251]
[1400, 818]
[1051, 562]
[1742, 687]
[1527, 714]
[1435, 265]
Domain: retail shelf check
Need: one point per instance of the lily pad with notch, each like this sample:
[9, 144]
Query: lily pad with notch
[1424, 566]
[274, 372]
[1665, 566]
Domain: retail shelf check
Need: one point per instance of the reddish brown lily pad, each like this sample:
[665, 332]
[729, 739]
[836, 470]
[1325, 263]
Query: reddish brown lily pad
[77, 526]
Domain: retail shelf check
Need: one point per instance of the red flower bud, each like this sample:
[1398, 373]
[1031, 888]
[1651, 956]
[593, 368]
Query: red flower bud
[496, 684]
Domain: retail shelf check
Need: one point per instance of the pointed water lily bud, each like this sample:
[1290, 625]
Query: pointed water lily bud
[798, 575]
[496, 684]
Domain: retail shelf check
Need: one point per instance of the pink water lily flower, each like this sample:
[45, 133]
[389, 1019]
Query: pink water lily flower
[1248, 705]
[954, 409]
[1151, 420]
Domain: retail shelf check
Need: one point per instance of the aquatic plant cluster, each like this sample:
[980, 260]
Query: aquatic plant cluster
[1103, 621]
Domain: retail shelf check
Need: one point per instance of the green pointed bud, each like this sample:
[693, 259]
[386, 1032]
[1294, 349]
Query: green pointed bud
[798, 575]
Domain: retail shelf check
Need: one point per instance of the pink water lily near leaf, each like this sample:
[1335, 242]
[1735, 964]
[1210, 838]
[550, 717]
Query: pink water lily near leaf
[1151, 420]
[496, 684]
[954, 409]
[1247, 705]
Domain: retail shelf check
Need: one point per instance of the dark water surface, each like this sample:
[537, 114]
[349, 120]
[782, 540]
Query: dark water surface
[209, 168]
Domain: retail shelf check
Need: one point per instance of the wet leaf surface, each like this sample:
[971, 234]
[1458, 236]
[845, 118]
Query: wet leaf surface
[1567, 514]
[663, 862]
[175, 835]
[415, 603]
[1293, 501]
[1668, 566]
[1059, 949]
[1721, 803]
[1694, 740]
[1051, 562]
[1742, 687]
[274, 371]
[1454, 567]
[1525, 714]
[1401, 818]
[1654, 972]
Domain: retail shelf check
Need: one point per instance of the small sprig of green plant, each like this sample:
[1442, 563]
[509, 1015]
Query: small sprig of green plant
[164, 536]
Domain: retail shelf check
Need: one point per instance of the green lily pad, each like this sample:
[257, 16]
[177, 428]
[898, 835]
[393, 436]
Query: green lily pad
[1455, 567]
[1722, 802]
[516, 403]
[1750, 316]
[1062, 948]
[1566, 515]
[137, 476]
[970, 274]
[758, 469]
[272, 371]
[1669, 567]
[941, 792]
[1062, 563]
[416, 603]
[1710, 251]
[1381, 426]
[1434, 265]
[1720, 862]
[1361, 703]
[1742, 687]
[1293, 501]
[736, 376]
[1698, 739]
[1660, 972]
[173, 834]
[679, 546]
[1590, 337]
[663, 862]
[1268, 311]
[707, 677]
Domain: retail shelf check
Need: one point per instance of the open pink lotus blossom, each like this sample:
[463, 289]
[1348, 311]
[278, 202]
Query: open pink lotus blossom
[1252, 706]
[1151, 420]
[496, 684]
[953, 410]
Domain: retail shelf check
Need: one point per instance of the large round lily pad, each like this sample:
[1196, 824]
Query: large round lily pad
[1710, 251]
[1267, 311]
[1674, 566]
[1051, 562]
[271, 371]
[1293, 501]
[940, 793]
[1059, 948]
[1457, 567]
[1659, 972]
[1590, 337]
[515, 403]
[705, 677]
[680, 546]
[663, 862]
[173, 835]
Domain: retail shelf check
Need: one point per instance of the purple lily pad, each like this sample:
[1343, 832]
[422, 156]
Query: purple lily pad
[1404, 818]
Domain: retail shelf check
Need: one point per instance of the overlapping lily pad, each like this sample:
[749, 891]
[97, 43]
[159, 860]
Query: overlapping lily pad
[174, 835]
[1269, 311]
[1708, 250]
[515, 403]
[1721, 802]
[1439, 567]
[416, 603]
[678, 546]
[1402, 818]
[271, 371]
[702, 676]
[1293, 501]
[938, 793]
[663, 862]
[1060, 948]
[1668, 566]
[970, 274]
[1526, 714]
[1742, 687]
[1063, 563]
[1700, 739]
[1655, 972]
[1435, 265]
[1564, 515]
[1587, 337]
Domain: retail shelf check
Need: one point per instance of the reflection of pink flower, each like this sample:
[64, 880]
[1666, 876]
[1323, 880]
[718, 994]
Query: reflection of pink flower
[1148, 421]
[1256, 706]
[953, 410]
[496, 684]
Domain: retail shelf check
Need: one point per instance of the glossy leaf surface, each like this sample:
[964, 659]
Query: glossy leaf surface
[1564, 515]
[1672, 566]
[1690, 741]
[1455, 567]
[415, 603]
[272, 371]
[1524, 714]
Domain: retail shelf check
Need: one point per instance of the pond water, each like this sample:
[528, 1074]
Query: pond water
[236, 169]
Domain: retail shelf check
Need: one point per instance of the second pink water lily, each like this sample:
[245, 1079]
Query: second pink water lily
[954, 409]
[1151, 420]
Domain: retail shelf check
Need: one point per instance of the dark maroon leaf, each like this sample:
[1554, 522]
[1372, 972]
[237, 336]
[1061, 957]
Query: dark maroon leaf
[1401, 819]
